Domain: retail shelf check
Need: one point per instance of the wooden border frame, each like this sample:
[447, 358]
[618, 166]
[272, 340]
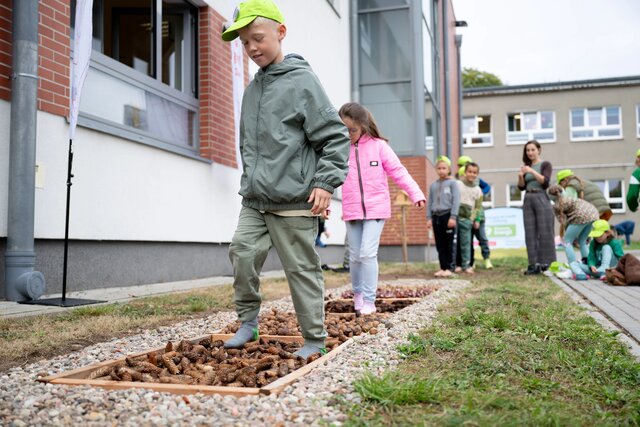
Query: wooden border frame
[80, 376]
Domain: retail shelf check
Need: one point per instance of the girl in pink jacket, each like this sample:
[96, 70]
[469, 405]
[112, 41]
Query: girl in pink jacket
[366, 201]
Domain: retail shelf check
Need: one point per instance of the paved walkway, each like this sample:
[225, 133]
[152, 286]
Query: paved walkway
[619, 303]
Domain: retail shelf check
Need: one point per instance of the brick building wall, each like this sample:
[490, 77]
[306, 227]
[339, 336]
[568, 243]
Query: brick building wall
[416, 223]
[217, 133]
[53, 54]
[5, 49]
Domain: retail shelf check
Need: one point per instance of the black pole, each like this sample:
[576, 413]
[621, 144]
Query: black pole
[66, 222]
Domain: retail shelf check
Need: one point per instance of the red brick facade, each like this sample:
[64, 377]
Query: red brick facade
[217, 133]
[53, 55]
[5, 49]
[416, 218]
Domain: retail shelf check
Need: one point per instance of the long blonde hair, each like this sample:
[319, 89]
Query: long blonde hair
[362, 117]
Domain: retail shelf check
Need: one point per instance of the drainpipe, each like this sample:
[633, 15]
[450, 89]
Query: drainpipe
[445, 53]
[355, 52]
[458, 45]
[21, 281]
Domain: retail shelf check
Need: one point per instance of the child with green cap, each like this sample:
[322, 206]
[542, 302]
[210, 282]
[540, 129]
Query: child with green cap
[634, 186]
[442, 212]
[294, 151]
[604, 252]
[576, 187]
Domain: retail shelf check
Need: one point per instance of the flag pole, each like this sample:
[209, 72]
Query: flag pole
[66, 222]
[79, 70]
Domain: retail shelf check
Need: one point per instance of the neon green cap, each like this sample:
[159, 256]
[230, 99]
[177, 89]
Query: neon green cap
[638, 153]
[444, 159]
[564, 173]
[247, 12]
[599, 228]
[463, 160]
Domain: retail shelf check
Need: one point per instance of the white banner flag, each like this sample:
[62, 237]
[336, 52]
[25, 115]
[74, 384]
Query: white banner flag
[82, 39]
[237, 68]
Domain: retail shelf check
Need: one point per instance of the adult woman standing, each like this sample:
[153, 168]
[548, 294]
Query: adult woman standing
[534, 178]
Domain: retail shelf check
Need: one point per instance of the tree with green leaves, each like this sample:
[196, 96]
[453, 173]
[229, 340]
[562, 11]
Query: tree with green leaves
[476, 78]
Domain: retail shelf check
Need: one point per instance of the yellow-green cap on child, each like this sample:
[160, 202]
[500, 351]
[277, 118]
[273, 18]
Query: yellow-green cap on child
[463, 160]
[599, 228]
[444, 159]
[638, 153]
[564, 173]
[247, 12]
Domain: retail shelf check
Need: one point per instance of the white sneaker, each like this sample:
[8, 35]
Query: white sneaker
[368, 308]
[358, 301]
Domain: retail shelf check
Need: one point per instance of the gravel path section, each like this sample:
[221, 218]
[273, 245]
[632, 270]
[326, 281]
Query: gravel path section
[312, 400]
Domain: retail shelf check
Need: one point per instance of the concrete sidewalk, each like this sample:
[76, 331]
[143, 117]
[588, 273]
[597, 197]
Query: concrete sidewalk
[111, 295]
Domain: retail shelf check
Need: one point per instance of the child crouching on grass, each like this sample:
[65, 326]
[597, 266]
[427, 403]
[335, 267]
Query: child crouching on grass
[442, 213]
[604, 252]
[470, 213]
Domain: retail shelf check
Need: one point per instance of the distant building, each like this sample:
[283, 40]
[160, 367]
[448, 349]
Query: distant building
[591, 127]
[154, 196]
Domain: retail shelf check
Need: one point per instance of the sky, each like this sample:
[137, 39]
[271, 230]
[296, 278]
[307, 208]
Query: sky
[546, 41]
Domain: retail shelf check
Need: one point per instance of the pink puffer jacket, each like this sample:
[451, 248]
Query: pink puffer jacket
[365, 192]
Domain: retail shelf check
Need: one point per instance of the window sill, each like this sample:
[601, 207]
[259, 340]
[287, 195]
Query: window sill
[553, 141]
[477, 145]
[613, 139]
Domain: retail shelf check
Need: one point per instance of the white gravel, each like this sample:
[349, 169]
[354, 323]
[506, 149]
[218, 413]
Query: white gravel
[312, 400]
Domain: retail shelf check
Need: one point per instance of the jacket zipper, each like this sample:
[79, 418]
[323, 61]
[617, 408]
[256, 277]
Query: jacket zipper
[257, 145]
[364, 210]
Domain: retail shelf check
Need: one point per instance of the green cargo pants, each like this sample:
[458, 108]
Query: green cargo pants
[293, 238]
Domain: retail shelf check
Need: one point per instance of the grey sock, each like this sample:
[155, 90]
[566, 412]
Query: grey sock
[309, 349]
[248, 332]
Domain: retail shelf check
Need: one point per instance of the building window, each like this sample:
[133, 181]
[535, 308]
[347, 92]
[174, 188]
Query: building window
[428, 139]
[515, 197]
[638, 120]
[476, 131]
[613, 190]
[142, 84]
[487, 199]
[525, 126]
[596, 123]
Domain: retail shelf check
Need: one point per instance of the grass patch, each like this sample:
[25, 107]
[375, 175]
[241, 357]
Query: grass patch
[514, 351]
[28, 339]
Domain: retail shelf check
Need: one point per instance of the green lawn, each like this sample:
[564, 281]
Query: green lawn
[515, 350]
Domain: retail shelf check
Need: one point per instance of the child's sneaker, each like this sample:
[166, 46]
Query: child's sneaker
[358, 300]
[368, 308]
[438, 273]
[579, 277]
[487, 264]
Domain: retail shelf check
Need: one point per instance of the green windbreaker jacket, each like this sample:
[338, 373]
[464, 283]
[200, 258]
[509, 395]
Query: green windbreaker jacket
[291, 138]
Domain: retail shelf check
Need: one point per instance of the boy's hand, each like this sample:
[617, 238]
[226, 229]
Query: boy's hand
[594, 269]
[476, 225]
[451, 223]
[429, 224]
[321, 200]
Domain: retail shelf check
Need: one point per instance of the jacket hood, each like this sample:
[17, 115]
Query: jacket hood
[290, 62]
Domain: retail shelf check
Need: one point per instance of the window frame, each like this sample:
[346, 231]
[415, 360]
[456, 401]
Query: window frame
[516, 203]
[637, 120]
[490, 204]
[530, 134]
[468, 137]
[595, 128]
[153, 84]
[606, 191]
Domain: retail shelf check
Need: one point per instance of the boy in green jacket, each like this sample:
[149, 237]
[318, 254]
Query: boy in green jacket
[294, 151]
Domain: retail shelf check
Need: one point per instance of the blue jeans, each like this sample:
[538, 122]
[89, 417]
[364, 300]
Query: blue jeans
[579, 232]
[364, 239]
[609, 260]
